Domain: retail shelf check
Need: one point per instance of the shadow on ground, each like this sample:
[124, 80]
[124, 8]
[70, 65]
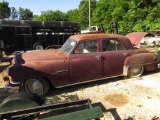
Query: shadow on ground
[65, 90]
[59, 95]
[59, 91]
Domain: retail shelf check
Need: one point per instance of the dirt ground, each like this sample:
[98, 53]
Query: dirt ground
[120, 98]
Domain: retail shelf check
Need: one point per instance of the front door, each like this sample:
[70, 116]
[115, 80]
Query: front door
[85, 64]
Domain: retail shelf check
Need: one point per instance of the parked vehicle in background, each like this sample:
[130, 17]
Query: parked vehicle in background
[155, 32]
[93, 29]
[90, 29]
[24, 35]
[82, 58]
[143, 39]
[100, 28]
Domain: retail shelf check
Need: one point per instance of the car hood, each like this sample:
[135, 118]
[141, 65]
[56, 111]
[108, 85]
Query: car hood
[40, 55]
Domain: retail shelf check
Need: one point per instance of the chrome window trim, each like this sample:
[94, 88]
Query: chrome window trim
[88, 81]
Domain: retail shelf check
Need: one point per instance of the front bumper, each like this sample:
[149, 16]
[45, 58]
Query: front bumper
[12, 87]
[158, 65]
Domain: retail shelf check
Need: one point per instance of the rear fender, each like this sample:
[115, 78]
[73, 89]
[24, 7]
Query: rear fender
[144, 59]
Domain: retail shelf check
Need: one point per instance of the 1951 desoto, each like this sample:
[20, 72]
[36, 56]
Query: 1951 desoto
[83, 58]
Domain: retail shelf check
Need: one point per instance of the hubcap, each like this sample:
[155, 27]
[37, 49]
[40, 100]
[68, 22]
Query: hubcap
[136, 70]
[39, 47]
[34, 86]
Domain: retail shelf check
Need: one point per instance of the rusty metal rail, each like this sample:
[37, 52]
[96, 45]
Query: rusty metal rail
[36, 110]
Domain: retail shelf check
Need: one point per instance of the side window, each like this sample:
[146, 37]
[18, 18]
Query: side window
[111, 45]
[79, 49]
[86, 47]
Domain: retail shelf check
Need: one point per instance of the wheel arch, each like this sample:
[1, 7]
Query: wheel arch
[49, 81]
[43, 77]
[144, 59]
[126, 69]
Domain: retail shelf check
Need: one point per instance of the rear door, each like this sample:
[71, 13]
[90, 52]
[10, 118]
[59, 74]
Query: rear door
[113, 57]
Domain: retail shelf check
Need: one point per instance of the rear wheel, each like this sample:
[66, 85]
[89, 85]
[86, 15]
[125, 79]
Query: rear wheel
[38, 46]
[39, 86]
[135, 71]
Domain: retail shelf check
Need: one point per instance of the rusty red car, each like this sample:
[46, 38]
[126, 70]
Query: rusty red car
[82, 58]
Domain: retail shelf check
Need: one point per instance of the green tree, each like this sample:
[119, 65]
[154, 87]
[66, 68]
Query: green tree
[25, 14]
[4, 10]
[72, 15]
[51, 15]
[102, 14]
[14, 13]
[132, 16]
[84, 12]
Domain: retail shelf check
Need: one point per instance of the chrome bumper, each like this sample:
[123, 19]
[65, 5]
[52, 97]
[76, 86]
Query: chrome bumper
[158, 65]
[125, 70]
[12, 88]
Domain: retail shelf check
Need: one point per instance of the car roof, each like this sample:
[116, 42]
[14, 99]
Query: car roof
[85, 37]
[81, 37]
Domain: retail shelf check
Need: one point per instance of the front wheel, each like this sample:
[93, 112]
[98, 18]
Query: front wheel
[135, 71]
[39, 86]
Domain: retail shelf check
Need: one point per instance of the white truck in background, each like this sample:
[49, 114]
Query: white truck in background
[93, 29]
[90, 29]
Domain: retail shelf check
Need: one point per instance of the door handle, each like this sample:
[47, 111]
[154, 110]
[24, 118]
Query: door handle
[99, 57]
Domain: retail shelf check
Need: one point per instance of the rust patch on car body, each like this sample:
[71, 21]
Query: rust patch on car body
[39, 63]
[118, 100]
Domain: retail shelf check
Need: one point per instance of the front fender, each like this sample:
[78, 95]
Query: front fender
[139, 59]
[19, 73]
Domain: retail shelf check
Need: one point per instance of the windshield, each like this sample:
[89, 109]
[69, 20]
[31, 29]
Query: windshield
[68, 46]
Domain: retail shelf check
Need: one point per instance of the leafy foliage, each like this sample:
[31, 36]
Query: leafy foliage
[14, 13]
[25, 14]
[4, 10]
[51, 15]
[84, 12]
[72, 15]
[132, 15]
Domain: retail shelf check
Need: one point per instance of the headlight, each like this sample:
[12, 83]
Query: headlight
[14, 60]
[7, 70]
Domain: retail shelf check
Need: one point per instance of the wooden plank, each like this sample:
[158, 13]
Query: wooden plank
[79, 115]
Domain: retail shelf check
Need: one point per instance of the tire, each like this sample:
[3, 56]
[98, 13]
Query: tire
[1, 44]
[27, 95]
[38, 46]
[1, 56]
[135, 71]
[1, 50]
[39, 86]
[21, 100]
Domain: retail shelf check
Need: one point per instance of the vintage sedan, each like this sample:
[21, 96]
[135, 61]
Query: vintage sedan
[83, 58]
